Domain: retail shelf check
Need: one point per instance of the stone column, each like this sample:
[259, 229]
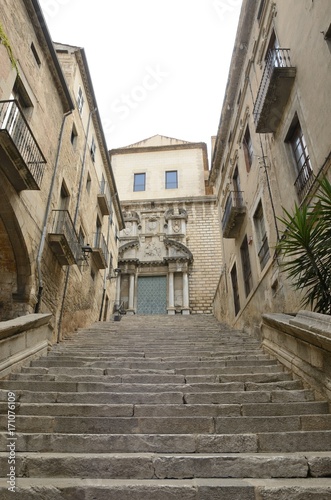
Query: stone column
[118, 290]
[186, 300]
[171, 293]
[131, 294]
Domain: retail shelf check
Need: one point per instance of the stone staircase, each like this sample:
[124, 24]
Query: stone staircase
[163, 408]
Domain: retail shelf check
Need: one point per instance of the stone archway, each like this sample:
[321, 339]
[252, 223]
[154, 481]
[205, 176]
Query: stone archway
[15, 267]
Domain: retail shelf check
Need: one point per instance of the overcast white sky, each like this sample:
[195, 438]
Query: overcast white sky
[157, 66]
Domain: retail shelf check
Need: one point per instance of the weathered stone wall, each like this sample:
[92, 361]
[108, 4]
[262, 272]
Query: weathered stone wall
[204, 241]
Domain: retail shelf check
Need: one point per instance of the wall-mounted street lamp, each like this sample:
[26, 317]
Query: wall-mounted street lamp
[87, 250]
[115, 274]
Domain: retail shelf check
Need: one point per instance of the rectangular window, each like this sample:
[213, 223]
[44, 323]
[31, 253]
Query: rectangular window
[73, 137]
[248, 149]
[93, 149]
[171, 180]
[35, 54]
[304, 171]
[235, 289]
[261, 236]
[88, 183]
[246, 265]
[139, 183]
[80, 100]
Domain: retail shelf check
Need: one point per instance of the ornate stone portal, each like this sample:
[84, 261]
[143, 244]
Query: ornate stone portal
[153, 244]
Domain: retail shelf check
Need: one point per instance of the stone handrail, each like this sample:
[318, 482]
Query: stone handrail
[23, 339]
[303, 344]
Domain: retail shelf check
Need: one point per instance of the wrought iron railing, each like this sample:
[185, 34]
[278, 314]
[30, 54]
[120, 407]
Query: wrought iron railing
[305, 179]
[13, 121]
[100, 242]
[276, 58]
[235, 200]
[62, 224]
[264, 252]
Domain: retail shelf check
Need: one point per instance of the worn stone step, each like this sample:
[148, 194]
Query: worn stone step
[238, 397]
[178, 466]
[272, 442]
[171, 410]
[169, 489]
[170, 425]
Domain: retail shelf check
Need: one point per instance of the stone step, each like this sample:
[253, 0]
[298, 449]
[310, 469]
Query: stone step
[271, 442]
[178, 466]
[169, 425]
[167, 410]
[238, 397]
[13, 385]
[166, 489]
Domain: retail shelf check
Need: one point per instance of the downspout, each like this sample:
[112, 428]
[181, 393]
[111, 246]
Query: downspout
[74, 223]
[48, 209]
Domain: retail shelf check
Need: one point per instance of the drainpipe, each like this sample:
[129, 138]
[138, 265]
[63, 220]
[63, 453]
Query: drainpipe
[48, 209]
[74, 222]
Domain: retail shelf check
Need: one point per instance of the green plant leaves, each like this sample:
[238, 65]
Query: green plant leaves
[306, 249]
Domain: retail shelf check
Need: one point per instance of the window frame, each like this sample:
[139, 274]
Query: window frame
[139, 186]
[169, 184]
[248, 148]
[246, 266]
[262, 247]
[80, 100]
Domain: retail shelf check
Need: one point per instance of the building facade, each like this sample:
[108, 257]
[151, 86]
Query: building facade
[170, 253]
[59, 212]
[273, 142]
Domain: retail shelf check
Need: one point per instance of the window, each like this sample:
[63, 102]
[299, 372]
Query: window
[235, 289]
[73, 137]
[97, 236]
[171, 180]
[80, 100]
[139, 182]
[88, 183]
[261, 236]
[64, 197]
[93, 149]
[35, 54]
[246, 265]
[303, 167]
[248, 149]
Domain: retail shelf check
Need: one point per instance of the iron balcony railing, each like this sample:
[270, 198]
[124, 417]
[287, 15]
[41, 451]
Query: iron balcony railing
[100, 242]
[13, 121]
[276, 58]
[235, 201]
[63, 225]
[264, 252]
[305, 179]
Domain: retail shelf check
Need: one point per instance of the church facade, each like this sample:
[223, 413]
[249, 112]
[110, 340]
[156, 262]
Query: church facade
[169, 251]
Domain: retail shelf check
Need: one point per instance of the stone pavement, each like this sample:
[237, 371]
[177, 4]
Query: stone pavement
[162, 408]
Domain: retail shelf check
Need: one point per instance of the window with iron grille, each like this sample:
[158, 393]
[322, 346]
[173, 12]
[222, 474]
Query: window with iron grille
[303, 168]
[80, 100]
[93, 149]
[246, 266]
[261, 236]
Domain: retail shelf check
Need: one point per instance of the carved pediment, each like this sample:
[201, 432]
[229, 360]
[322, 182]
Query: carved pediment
[128, 247]
[177, 251]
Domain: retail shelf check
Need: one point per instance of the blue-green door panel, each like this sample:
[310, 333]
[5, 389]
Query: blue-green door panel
[152, 295]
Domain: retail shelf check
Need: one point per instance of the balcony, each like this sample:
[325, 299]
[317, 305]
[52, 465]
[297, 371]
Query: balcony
[234, 213]
[100, 252]
[275, 88]
[63, 239]
[104, 199]
[21, 159]
[305, 180]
